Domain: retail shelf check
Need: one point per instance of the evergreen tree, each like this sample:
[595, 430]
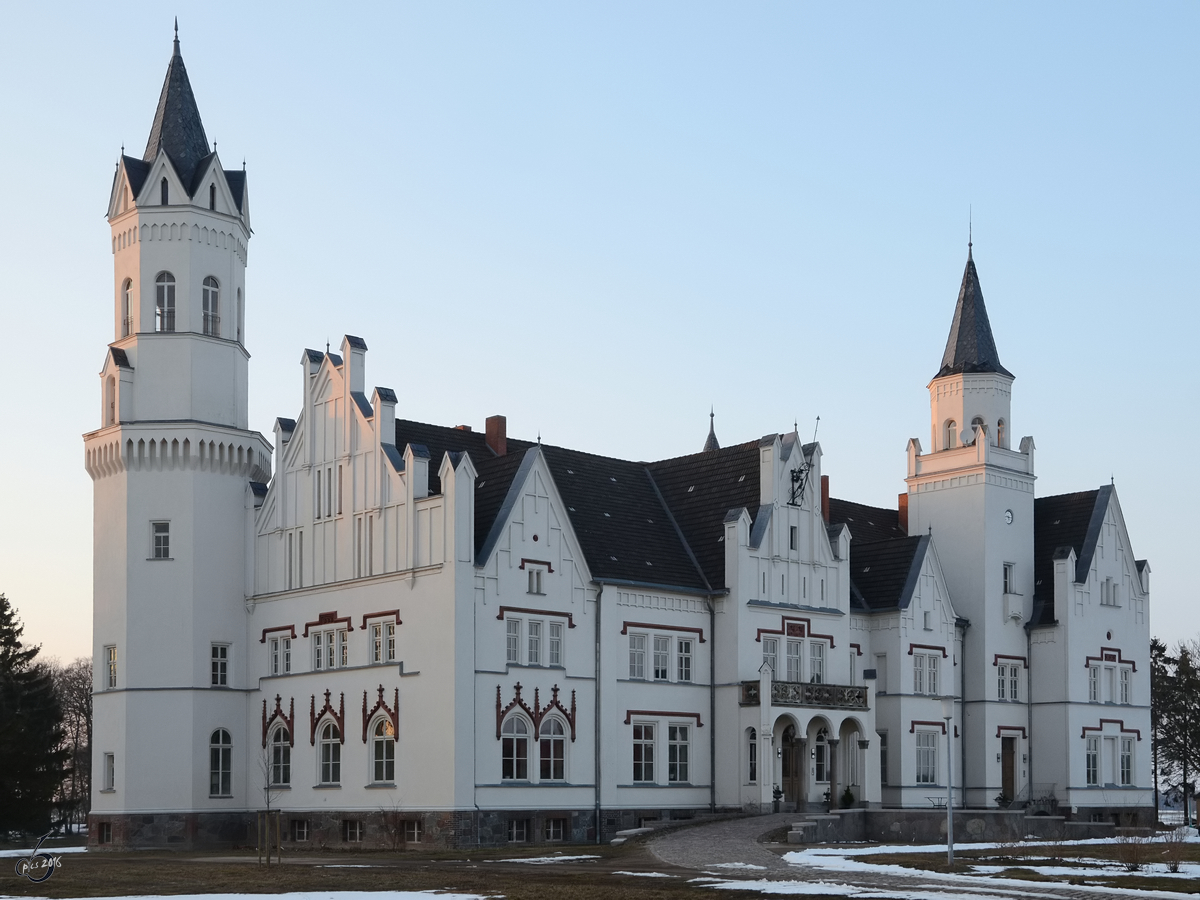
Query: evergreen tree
[32, 757]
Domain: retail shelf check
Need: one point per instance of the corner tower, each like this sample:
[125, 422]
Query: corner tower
[172, 462]
[974, 494]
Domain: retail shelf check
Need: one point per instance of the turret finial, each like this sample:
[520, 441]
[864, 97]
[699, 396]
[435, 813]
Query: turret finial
[970, 229]
[177, 35]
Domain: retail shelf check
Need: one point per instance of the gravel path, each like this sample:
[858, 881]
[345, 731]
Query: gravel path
[705, 847]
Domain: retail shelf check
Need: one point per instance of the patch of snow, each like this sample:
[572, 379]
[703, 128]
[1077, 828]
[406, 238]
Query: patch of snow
[735, 866]
[545, 860]
[53, 851]
[313, 895]
[647, 874]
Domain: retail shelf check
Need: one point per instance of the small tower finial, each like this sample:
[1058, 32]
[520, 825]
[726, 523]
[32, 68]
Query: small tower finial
[970, 229]
[177, 35]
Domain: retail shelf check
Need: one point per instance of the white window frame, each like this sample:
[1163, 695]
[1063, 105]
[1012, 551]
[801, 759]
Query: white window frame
[771, 655]
[383, 751]
[518, 831]
[414, 832]
[331, 648]
[533, 634]
[110, 665]
[552, 751]
[662, 658]
[637, 656]
[795, 660]
[926, 757]
[160, 539]
[383, 643]
[816, 662]
[1126, 767]
[1126, 679]
[1010, 578]
[515, 735]
[555, 829]
[925, 673]
[535, 574]
[329, 754]
[683, 660]
[220, 763]
[281, 756]
[678, 753]
[220, 665]
[1093, 684]
[1091, 761]
[110, 772]
[554, 644]
[512, 641]
[643, 762]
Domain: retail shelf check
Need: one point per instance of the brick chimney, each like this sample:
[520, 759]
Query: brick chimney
[825, 498]
[903, 501]
[496, 429]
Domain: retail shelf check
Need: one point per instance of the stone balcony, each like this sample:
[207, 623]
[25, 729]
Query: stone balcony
[800, 693]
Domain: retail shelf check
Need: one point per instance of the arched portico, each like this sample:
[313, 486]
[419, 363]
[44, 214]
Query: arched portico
[789, 739]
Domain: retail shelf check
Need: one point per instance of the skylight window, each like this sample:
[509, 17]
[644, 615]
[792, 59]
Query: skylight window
[692, 488]
[743, 478]
[607, 516]
[613, 558]
[866, 570]
[570, 471]
[610, 478]
[649, 563]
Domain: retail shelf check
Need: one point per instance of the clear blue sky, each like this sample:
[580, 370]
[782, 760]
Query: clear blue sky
[602, 219]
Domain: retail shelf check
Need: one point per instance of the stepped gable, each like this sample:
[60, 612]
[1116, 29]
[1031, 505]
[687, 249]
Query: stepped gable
[1059, 522]
[700, 489]
[626, 532]
[866, 523]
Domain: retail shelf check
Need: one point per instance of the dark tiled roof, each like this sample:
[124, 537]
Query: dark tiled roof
[363, 404]
[313, 355]
[356, 342]
[700, 489]
[258, 489]
[386, 394]
[866, 523]
[335, 359]
[119, 358]
[970, 346]
[236, 179]
[136, 170]
[177, 128]
[288, 425]
[1061, 522]
[884, 573]
[623, 527]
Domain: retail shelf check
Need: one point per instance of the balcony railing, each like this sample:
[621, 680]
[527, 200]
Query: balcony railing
[799, 693]
[127, 326]
[212, 324]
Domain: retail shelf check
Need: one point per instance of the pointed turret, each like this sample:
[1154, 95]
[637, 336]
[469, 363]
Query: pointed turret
[711, 442]
[177, 127]
[970, 346]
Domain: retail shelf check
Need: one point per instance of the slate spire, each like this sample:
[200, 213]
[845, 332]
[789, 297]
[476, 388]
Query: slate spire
[177, 127]
[711, 442]
[970, 346]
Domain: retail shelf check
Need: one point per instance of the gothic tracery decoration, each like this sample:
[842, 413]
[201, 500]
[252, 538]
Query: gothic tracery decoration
[393, 713]
[314, 716]
[287, 719]
[537, 713]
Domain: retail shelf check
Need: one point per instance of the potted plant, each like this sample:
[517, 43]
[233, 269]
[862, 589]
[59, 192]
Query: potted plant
[1003, 801]
[777, 793]
[847, 799]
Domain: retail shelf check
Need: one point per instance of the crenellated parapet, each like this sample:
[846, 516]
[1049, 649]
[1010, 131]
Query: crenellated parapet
[122, 449]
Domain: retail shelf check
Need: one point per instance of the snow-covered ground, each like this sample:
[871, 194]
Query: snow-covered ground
[544, 860]
[53, 851]
[312, 895]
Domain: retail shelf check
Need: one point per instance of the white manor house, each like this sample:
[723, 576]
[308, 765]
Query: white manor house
[392, 630]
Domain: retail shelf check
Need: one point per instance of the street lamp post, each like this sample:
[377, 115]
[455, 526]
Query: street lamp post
[948, 715]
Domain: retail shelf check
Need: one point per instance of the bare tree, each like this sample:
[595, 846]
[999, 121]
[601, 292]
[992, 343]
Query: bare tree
[73, 686]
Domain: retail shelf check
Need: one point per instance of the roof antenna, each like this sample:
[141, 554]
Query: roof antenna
[815, 427]
[539, 437]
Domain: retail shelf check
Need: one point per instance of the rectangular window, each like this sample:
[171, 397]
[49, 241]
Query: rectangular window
[1092, 755]
[1124, 685]
[106, 832]
[110, 771]
[771, 654]
[389, 643]
[344, 644]
[318, 654]
[792, 537]
[513, 642]
[535, 644]
[161, 548]
[328, 491]
[556, 829]
[684, 666]
[110, 665]
[637, 656]
[220, 665]
[518, 831]
[883, 758]
[273, 666]
[881, 673]
[677, 753]
[535, 581]
[555, 645]
[1093, 684]
[927, 757]
[752, 758]
[1126, 761]
[299, 829]
[377, 643]
[662, 658]
[352, 831]
[1108, 593]
[816, 663]
[1014, 674]
[925, 673]
[413, 832]
[643, 753]
[339, 493]
[317, 511]
[287, 655]
[794, 672]
[919, 673]
[287, 568]
[1010, 578]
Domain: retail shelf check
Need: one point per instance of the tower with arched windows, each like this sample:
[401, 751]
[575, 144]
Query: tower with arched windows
[974, 494]
[171, 462]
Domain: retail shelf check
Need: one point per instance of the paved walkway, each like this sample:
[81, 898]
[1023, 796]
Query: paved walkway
[705, 847]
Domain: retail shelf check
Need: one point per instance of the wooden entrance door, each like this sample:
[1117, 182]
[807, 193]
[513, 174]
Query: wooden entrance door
[792, 768]
[1008, 766]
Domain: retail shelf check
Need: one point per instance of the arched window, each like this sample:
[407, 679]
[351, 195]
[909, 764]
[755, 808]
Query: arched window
[127, 308]
[212, 196]
[977, 421]
[553, 751]
[514, 750]
[951, 435]
[752, 756]
[165, 193]
[821, 755]
[239, 314]
[383, 752]
[164, 302]
[331, 755]
[220, 764]
[110, 401]
[281, 756]
[1001, 433]
[211, 294]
